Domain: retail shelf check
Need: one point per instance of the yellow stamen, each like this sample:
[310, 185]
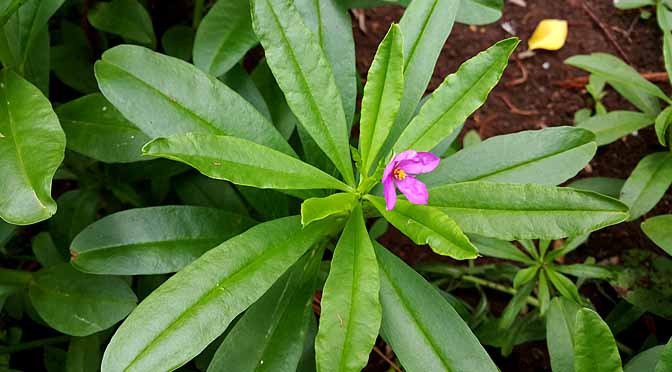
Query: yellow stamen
[398, 174]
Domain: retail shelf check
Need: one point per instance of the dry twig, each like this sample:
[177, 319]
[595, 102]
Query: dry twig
[512, 108]
[522, 79]
[386, 359]
[606, 32]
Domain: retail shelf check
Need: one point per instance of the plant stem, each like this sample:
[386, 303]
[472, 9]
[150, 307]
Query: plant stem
[198, 13]
[34, 344]
[498, 287]
[624, 348]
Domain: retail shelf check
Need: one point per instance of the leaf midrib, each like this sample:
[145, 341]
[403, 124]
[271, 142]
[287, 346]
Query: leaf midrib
[555, 210]
[111, 125]
[160, 244]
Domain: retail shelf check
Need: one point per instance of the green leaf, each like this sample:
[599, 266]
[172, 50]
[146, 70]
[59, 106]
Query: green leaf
[499, 249]
[543, 294]
[282, 115]
[223, 37]
[163, 96]
[658, 230]
[76, 210]
[511, 211]
[663, 122]
[126, 18]
[593, 341]
[524, 276]
[601, 185]
[192, 308]
[615, 70]
[79, 304]
[633, 4]
[664, 16]
[549, 156]
[427, 225]
[242, 162]
[153, 240]
[304, 75]
[644, 101]
[350, 312]
[587, 271]
[197, 189]
[616, 124]
[647, 183]
[72, 61]
[239, 80]
[516, 304]
[479, 12]
[645, 361]
[84, 354]
[457, 98]
[315, 209]
[33, 145]
[178, 41]
[331, 24]
[424, 331]
[270, 335]
[560, 325]
[667, 53]
[665, 362]
[45, 250]
[7, 8]
[96, 129]
[565, 286]
[382, 96]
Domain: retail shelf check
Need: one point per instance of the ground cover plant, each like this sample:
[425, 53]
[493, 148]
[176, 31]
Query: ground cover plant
[226, 192]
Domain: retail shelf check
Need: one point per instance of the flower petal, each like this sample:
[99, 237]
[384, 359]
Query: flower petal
[414, 190]
[387, 174]
[390, 194]
[423, 162]
[550, 34]
[408, 154]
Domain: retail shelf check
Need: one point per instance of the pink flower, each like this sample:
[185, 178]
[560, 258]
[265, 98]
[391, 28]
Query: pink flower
[399, 174]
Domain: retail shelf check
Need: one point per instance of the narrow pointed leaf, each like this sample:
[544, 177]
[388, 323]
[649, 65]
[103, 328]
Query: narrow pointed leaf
[659, 229]
[593, 341]
[192, 308]
[126, 18]
[241, 162]
[516, 304]
[163, 96]
[305, 76]
[24, 29]
[32, 145]
[511, 211]
[315, 209]
[499, 249]
[424, 331]
[427, 225]
[565, 286]
[153, 240]
[350, 313]
[560, 323]
[382, 96]
[647, 183]
[663, 122]
[549, 156]
[457, 98]
[616, 124]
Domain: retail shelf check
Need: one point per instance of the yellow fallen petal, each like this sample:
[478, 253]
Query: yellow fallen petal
[550, 34]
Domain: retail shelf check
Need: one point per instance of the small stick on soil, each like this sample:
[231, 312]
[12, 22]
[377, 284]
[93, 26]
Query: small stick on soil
[606, 32]
[522, 79]
[581, 81]
[386, 359]
[512, 108]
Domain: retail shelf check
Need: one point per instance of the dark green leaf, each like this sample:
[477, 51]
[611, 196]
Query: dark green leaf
[499, 249]
[84, 354]
[645, 361]
[515, 305]
[45, 250]
[560, 325]
[126, 18]
[178, 42]
[602, 185]
[196, 189]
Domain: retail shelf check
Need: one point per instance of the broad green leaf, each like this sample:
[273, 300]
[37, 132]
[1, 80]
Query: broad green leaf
[633, 4]
[126, 18]
[45, 250]
[223, 37]
[588, 271]
[32, 146]
[645, 361]
[615, 70]
[665, 362]
[515, 305]
[315, 209]
[84, 354]
[659, 229]
[242, 162]
[350, 311]
[330, 22]
[560, 324]
[457, 98]
[76, 210]
[663, 122]
[153, 240]
[593, 342]
[616, 124]
[644, 101]
[511, 211]
[178, 41]
[79, 304]
[382, 95]
[7, 8]
[270, 336]
[602, 185]
[72, 61]
[549, 156]
[566, 287]
[479, 12]
[96, 129]
[424, 331]
[197, 189]
[305, 76]
[648, 183]
[192, 308]
[499, 249]
[427, 225]
[163, 96]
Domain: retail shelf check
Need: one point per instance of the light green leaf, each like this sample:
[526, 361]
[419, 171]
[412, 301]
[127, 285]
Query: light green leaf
[524, 276]
[427, 225]
[84, 354]
[178, 41]
[587, 271]
[96, 129]
[499, 249]
[223, 37]
[644, 101]
[192, 308]
[305, 76]
[350, 316]
[242, 162]
[665, 362]
[315, 209]
[32, 145]
[424, 331]
[658, 230]
[633, 4]
[479, 12]
[645, 361]
[593, 341]
[126, 18]
[163, 96]
[7, 8]
[616, 124]
[560, 324]
[602, 185]
[382, 96]
[457, 98]
[549, 156]
[511, 211]
[153, 240]
[543, 294]
[648, 183]
[565, 286]
[663, 122]
[79, 304]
